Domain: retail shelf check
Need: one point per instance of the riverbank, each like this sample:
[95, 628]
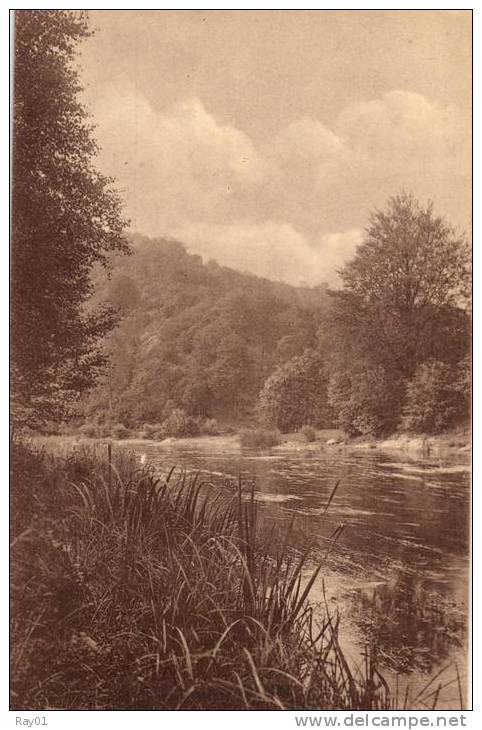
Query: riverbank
[454, 442]
[130, 592]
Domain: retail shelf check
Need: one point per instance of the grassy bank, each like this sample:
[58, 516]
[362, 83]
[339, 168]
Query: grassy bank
[130, 591]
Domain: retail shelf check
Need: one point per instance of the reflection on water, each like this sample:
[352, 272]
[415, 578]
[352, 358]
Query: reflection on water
[413, 629]
[399, 570]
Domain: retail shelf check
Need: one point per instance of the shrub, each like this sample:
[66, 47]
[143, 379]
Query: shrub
[309, 433]
[105, 430]
[89, 430]
[119, 431]
[259, 437]
[158, 435]
[434, 400]
[150, 428]
[68, 429]
[174, 424]
[152, 431]
[210, 427]
[179, 424]
[192, 427]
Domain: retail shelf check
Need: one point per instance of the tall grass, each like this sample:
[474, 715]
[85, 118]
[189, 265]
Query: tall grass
[134, 591]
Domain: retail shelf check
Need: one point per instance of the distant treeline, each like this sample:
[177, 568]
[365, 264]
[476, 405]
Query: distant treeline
[198, 341]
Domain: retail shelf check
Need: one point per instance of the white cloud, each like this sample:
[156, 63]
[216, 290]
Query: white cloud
[272, 209]
[306, 140]
[273, 249]
[402, 122]
[399, 141]
[337, 249]
[175, 165]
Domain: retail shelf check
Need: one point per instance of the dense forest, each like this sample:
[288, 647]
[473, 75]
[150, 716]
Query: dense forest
[200, 346]
[197, 337]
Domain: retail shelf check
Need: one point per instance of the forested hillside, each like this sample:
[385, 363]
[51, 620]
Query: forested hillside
[195, 336]
[197, 341]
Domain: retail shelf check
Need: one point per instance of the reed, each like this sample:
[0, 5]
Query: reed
[132, 590]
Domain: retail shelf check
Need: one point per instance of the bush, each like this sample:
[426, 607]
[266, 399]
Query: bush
[68, 429]
[192, 427]
[152, 431]
[210, 427]
[150, 428]
[434, 399]
[309, 433]
[259, 437]
[119, 431]
[157, 432]
[89, 430]
[104, 430]
[179, 424]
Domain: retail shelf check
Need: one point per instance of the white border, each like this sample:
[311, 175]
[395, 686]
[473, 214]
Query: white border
[237, 720]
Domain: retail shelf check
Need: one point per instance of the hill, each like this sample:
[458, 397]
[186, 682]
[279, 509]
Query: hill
[196, 336]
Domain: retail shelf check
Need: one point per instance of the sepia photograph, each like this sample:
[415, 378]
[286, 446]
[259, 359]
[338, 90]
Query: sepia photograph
[240, 360]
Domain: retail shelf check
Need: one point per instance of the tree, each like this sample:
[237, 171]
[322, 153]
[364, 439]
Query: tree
[295, 394]
[220, 360]
[123, 293]
[199, 337]
[403, 303]
[365, 399]
[436, 397]
[66, 217]
[405, 291]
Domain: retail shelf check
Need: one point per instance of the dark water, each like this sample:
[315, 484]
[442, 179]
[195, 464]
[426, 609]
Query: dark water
[398, 571]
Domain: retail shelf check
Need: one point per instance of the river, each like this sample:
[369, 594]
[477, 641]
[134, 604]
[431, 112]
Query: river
[399, 570]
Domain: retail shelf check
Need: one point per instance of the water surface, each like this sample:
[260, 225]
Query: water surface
[398, 570]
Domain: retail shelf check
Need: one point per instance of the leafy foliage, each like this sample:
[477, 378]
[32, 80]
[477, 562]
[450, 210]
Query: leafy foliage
[309, 433]
[296, 394]
[194, 336]
[119, 431]
[210, 427]
[436, 398]
[403, 303]
[178, 423]
[66, 217]
[366, 400]
[403, 291]
[201, 341]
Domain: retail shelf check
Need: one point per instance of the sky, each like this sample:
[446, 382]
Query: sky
[264, 139]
